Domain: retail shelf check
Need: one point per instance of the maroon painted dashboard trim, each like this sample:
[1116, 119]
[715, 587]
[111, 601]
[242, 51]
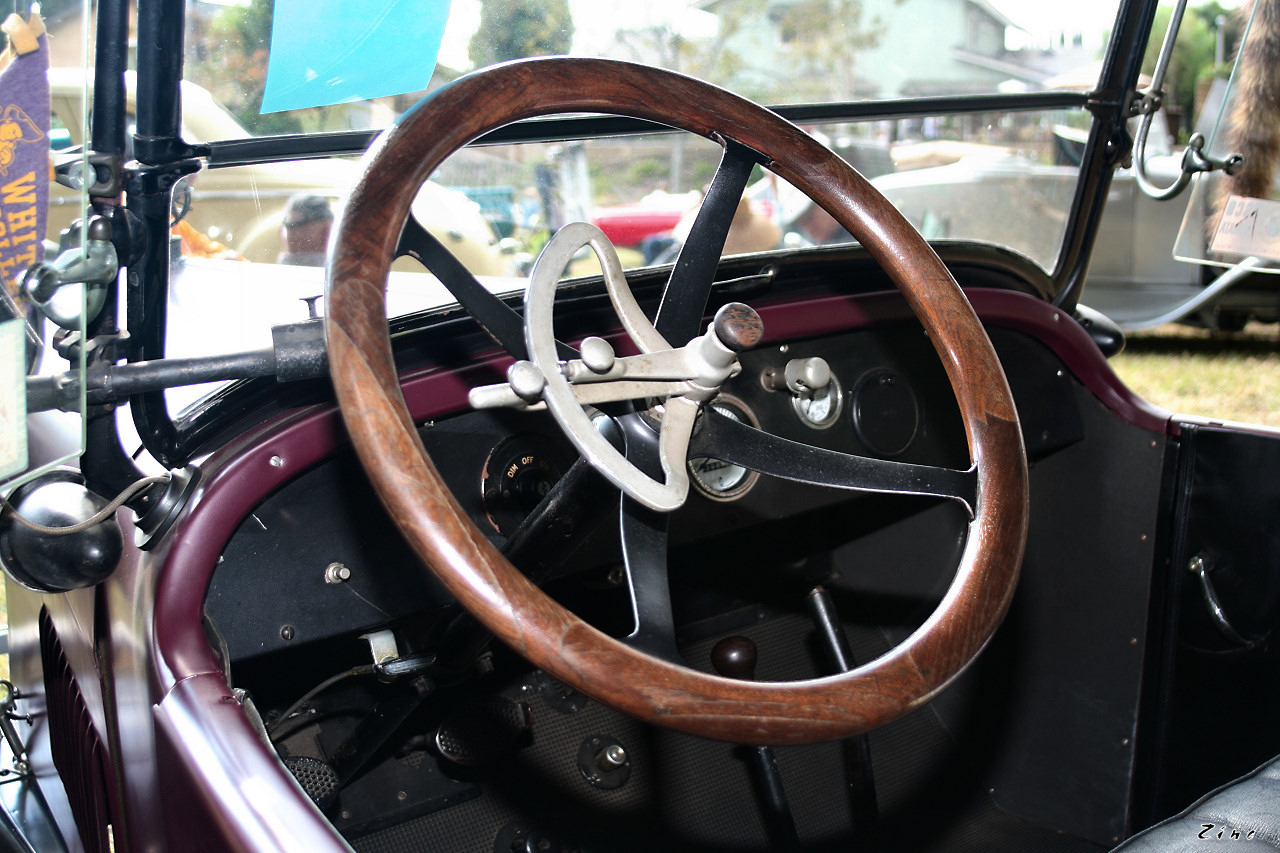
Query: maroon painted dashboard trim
[1038, 319]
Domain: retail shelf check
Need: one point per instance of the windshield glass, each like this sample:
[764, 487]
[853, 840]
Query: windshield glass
[39, 234]
[263, 69]
[773, 51]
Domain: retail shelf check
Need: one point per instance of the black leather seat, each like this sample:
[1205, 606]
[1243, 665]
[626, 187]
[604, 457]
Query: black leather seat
[1244, 814]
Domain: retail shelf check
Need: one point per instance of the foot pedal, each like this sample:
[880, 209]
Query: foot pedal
[484, 731]
[317, 778]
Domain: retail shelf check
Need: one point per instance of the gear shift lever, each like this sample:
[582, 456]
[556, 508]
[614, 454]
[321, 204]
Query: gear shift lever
[735, 657]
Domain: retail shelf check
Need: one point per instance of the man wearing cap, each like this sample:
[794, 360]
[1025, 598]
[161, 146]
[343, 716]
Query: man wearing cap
[305, 230]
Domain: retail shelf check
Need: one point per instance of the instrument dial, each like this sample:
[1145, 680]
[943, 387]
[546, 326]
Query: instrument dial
[715, 478]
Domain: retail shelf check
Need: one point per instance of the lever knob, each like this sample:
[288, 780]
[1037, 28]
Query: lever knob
[738, 326]
[801, 376]
[735, 657]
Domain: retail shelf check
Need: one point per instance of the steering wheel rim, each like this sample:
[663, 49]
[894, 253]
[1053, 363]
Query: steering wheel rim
[500, 597]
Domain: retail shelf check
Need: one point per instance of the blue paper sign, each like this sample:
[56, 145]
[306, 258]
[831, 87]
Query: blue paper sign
[327, 52]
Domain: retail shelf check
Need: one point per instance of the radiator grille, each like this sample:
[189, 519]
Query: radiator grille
[78, 752]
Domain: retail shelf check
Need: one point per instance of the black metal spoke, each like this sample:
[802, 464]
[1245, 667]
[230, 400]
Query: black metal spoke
[684, 300]
[643, 532]
[644, 552]
[723, 438]
[498, 319]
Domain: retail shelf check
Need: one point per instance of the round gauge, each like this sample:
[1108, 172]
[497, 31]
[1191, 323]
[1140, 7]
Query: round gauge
[715, 478]
[820, 409]
[886, 413]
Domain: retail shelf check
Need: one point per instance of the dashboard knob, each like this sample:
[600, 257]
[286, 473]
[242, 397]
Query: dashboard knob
[735, 657]
[597, 354]
[801, 376]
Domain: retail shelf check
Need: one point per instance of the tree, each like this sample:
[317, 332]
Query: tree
[513, 29]
[819, 43]
[228, 56]
[826, 55]
[1227, 26]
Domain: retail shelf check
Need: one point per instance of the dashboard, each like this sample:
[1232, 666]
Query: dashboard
[319, 558]
[315, 574]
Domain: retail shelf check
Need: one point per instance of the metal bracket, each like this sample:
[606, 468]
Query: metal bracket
[1194, 161]
[105, 174]
[1147, 104]
[9, 697]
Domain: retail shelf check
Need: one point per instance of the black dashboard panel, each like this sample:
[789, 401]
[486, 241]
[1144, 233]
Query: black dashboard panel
[320, 558]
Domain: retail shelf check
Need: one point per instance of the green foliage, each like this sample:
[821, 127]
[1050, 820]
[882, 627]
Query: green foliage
[228, 56]
[821, 41]
[513, 29]
[826, 56]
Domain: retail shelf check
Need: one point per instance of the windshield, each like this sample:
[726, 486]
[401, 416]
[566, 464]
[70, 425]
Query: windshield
[270, 69]
[249, 233]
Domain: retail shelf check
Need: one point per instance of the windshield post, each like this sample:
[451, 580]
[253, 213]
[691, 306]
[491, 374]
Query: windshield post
[110, 63]
[164, 157]
[161, 29]
[106, 467]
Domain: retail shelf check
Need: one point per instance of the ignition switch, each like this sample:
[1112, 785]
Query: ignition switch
[517, 475]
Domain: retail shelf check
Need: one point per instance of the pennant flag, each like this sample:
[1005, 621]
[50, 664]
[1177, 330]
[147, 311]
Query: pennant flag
[24, 147]
[24, 204]
[334, 51]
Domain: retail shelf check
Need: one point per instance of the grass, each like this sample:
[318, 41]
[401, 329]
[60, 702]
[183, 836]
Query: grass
[1196, 372]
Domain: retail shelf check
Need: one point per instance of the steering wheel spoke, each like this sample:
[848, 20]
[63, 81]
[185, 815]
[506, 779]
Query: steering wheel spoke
[684, 299]
[498, 319]
[737, 443]
[643, 533]
[644, 554]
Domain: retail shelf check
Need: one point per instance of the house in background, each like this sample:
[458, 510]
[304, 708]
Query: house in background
[853, 56]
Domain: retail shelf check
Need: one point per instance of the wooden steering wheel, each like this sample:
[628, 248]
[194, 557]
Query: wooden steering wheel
[499, 596]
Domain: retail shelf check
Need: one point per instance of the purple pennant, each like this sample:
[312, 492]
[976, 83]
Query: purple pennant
[24, 148]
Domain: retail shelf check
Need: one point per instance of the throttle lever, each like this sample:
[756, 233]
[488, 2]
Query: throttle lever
[681, 379]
